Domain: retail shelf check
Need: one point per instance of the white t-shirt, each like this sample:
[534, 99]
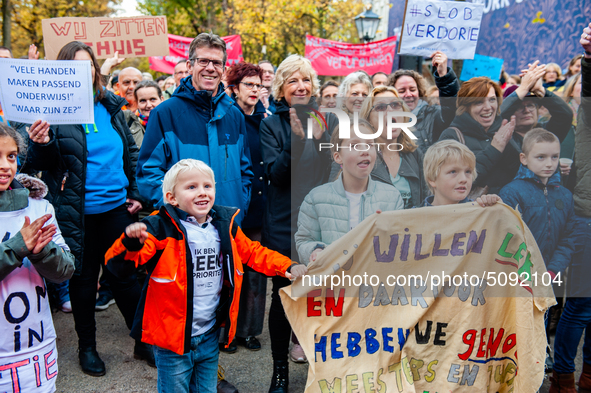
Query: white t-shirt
[354, 208]
[27, 342]
[204, 242]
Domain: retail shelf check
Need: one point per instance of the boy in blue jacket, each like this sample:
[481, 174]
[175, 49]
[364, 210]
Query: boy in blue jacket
[545, 205]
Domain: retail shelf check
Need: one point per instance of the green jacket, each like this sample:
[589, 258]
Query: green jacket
[136, 128]
[324, 214]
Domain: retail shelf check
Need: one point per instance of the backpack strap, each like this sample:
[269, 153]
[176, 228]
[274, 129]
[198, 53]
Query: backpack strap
[460, 135]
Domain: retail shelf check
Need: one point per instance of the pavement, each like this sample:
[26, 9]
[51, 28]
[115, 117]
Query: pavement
[249, 371]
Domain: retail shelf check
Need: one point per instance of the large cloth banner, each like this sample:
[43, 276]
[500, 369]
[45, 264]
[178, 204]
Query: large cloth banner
[179, 50]
[137, 36]
[334, 58]
[447, 26]
[399, 324]
[57, 91]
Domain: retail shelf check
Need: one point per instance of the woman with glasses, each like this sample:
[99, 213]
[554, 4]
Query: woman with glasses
[523, 102]
[399, 162]
[244, 80]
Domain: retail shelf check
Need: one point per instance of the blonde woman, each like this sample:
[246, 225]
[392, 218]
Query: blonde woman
[553, 78]
[293, 166]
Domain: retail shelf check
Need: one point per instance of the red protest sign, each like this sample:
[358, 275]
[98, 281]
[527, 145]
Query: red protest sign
[179, 50]
[340, 58]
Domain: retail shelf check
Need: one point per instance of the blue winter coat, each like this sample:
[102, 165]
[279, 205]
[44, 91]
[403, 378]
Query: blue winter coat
[193, 124]
[548, 211]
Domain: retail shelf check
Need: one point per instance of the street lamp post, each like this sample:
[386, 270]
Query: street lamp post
[367, 25]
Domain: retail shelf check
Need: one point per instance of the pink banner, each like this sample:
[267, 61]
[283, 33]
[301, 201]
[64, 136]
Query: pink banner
[179, 49]
[340, 58]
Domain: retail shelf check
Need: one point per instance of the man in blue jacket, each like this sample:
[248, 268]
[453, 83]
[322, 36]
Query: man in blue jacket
[199, 121]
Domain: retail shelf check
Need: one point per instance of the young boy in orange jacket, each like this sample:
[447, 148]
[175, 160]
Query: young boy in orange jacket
[194, 255]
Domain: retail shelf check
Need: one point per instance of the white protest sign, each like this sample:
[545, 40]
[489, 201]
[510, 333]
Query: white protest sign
[447, 26]
[59, 92]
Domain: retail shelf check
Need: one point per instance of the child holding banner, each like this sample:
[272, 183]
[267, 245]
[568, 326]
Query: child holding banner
[331, 210]
[31, 251]
[450, 170]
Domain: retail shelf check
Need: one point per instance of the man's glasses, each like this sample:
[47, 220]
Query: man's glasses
[185, 73]
[203, 62]
[250, 86]
[268, 72]
[383, 107]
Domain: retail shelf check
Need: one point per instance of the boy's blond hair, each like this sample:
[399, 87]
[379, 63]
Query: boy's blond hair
[444, 151]
[537, 135]
[170, 179]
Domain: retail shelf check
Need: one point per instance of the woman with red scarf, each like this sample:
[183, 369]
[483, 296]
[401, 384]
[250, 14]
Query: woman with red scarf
[148, 96]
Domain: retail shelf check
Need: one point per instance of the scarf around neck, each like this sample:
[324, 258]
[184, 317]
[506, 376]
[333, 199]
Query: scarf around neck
[142, 118]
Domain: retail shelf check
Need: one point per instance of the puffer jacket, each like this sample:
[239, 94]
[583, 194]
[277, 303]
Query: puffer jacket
[165, 312]
[548, 211]
[258, 199]
[193, 124]
[492, 166]
[324, 214]
[63, 162]
[433, 119]
[411, 168]
[582, 194]
[55, 262]
[293, 167]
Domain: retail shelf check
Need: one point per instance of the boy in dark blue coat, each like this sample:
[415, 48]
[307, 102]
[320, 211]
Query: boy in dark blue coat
[545, 205]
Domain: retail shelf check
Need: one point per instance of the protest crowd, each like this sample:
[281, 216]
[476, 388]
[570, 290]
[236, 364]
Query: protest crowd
[190, 190]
